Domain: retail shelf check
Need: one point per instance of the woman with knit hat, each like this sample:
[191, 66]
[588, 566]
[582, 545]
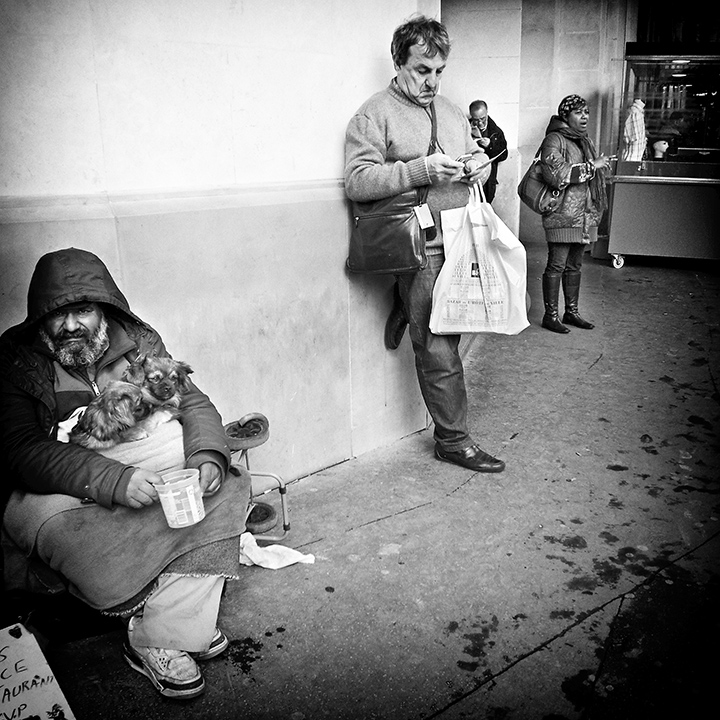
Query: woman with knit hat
[570, 162]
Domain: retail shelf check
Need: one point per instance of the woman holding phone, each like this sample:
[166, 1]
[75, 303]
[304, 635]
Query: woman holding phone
[570, 163]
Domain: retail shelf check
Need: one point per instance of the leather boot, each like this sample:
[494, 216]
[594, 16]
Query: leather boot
[571, 290]
[551, 291]
[396, 322]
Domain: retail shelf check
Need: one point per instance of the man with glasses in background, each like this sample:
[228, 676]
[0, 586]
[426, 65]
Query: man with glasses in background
[491, 139]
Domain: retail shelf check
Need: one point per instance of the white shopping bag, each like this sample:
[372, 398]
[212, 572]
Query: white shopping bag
[482, 285]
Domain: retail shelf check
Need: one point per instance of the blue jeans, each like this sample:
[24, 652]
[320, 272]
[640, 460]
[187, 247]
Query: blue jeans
[437, 360]
[564, 257]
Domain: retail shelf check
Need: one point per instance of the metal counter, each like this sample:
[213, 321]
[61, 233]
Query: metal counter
[665, 209]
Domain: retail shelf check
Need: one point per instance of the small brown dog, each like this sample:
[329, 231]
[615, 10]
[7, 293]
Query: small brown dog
[163, 381]
[111, 417]
[130, 409]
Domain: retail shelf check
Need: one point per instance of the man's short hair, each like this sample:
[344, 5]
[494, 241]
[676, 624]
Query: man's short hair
[475, 105]
[419, 30]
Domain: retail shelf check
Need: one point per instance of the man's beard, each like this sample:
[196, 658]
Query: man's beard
[78, 354]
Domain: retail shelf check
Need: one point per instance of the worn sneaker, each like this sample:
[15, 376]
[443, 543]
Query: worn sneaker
[218, 644]
[173, 672]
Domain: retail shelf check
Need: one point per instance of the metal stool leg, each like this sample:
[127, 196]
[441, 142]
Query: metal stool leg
[240, 441]
[282, 490]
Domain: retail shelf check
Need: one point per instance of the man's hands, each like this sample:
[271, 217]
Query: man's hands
[442, 169]
[140, 491]
[477, 170]
[210, 478]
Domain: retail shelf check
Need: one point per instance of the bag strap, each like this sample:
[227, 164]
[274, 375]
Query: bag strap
[563, 147]
[432, 147]
[433, 130]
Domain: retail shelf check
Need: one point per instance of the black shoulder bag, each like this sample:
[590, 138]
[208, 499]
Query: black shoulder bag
[386, 236]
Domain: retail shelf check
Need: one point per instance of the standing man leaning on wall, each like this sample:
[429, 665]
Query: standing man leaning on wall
[386, 153]
[491, 139]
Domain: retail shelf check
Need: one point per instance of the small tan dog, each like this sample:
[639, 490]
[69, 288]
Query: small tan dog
[130, 409]
[111, 418]
[163, 381]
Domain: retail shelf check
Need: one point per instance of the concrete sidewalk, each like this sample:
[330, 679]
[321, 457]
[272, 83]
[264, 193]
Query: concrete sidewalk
[580, 583]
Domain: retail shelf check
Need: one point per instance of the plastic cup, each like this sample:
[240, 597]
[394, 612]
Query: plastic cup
[181, 498]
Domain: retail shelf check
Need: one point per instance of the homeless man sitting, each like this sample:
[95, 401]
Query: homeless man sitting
[118, 553]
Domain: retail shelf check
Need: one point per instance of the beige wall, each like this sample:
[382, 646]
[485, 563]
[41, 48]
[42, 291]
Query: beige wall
[118, 95]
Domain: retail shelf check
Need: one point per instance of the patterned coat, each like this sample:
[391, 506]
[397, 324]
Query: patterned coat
[565, 167]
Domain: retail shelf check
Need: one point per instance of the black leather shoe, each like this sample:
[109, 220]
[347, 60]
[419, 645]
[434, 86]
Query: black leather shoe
[472, 458]
[395, 328]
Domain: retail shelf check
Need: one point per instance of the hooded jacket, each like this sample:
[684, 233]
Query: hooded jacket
[33, 458]
[566, 166]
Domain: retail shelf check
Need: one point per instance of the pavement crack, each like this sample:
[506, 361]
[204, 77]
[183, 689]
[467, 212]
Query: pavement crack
[388, 517]
[597, 360]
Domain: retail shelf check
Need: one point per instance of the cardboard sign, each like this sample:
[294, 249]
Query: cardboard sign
[28, 689]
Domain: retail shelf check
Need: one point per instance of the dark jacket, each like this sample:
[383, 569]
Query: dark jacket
[566, 166]
[32, 458]
[496, 148]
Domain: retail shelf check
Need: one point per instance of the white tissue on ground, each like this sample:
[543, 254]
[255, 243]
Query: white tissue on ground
[272, 557]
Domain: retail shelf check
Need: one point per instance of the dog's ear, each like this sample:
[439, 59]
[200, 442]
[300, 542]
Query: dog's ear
[183, 370]
[134, 373]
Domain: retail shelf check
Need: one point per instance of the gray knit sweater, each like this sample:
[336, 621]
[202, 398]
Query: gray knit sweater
[386, 143]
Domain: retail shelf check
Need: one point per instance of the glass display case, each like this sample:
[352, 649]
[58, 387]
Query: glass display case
[682, 107]
[666, 185]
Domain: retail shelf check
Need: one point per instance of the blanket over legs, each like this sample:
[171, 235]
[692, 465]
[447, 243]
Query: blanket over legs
[111, 558]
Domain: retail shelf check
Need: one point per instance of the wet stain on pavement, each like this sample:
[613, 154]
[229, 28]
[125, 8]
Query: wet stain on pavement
[574, 542]
[607, 573]
[243, 653]
[632, 560]
[617, 468]
[584, 584]
[477, 642]
[702, 422]
[269, 634]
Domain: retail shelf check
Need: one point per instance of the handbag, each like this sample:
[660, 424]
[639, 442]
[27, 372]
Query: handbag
[386, 235]
[535, 192]
[481, 287]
